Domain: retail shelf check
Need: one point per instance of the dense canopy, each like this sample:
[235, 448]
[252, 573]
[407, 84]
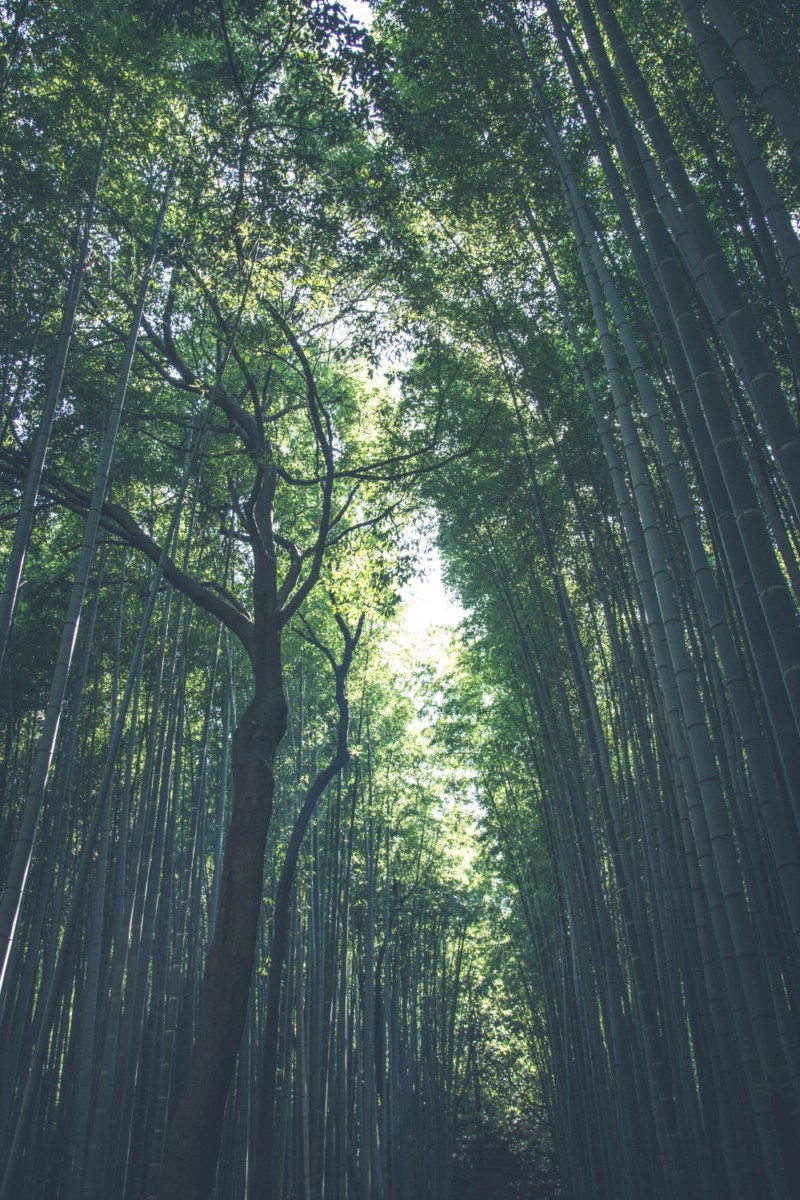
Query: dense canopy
[305, 893]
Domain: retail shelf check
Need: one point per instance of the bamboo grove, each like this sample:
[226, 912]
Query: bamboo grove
[289, 908]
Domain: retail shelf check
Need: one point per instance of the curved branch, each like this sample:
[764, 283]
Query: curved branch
[213, 598]
[319, 421]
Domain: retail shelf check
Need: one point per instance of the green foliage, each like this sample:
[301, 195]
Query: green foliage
[409, 270]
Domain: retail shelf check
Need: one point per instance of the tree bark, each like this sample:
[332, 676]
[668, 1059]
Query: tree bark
[194, 1134]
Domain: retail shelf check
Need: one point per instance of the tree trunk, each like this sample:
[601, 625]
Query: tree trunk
[194, 1133]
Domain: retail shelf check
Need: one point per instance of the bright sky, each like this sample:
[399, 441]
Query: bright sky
[426, 601]
[358, 9]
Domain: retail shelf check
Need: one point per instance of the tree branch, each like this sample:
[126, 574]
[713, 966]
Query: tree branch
[213, 598]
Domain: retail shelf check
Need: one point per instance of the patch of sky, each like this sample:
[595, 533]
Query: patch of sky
[358, 9]
[427, 603]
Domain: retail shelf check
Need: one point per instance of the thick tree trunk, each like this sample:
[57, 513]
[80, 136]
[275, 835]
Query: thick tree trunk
[193, 1138]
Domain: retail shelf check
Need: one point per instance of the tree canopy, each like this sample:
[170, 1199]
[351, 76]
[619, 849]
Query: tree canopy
[301, 899]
